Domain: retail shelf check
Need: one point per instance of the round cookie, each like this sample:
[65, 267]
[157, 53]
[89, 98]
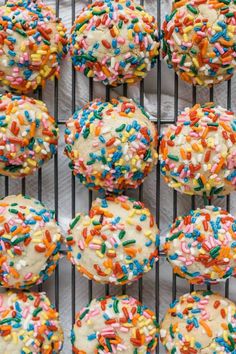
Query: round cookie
[32, 44]
[116, 243]
[30, 240]
[200, 322]
[198, 155]
[201, 246]
[29, 324]
[115, 325]
[199, 39]
[28, 135]
[115, 42]
[112, 145]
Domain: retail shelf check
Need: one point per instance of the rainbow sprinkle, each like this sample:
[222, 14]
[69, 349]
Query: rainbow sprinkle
[29, 324]
[200, 322]
[199, 40]
[198, 155]
[29, 242]
[28, 135]
[114, 325]
[32, 44]
[115, 42]
[112, 145]
[201, 246]
[116, 243]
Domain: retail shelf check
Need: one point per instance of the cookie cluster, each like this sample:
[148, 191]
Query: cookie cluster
[114, 42]
[30, 240]
[198, 154]
[200, 322]
[111, 145]
[115, 324]
[199, 40]
[32, 43]
[28, 135]
[116, 243]
[201, 245]
[29, 324]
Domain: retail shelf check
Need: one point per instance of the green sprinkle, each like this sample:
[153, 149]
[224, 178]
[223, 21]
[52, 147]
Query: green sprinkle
[96, 222]
[6, 320]
[215, 251]
[13, 211]
[68, 148]
[171, 331]
[128, 242]
[229, 14]
[115, 306]
[18, 240]
[91, 162]
[20, 31]
[103, 248]
[74, 222]
[231, 329]
[109, 345]
[147, 155]
[213, 124]
[173, 157]
[176, 235]
[98, 13]
[192, 9]
[86, 133]
[77, 28]
[124, 278]
[121, 234]
[120, 24]
[137, 206]
[36, 311]
[83, 314]
[120, 128]
[182, 59]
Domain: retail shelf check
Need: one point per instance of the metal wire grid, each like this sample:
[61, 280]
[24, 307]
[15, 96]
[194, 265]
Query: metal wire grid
[159, 123]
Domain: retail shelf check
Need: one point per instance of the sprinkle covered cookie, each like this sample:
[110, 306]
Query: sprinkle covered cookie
[29, 324]
[32, 44]
[115, 42]
[200, 322]
[115, 325]
[200, 39]
[201, 246]
[112, 145]
[116, 243]
[198, 155]
[28, 135]
[29, 242]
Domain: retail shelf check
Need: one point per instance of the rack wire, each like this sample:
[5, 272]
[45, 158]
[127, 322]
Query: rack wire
[159, 123]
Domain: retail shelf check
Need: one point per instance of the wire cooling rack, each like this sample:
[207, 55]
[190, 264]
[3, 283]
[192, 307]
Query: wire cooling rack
[73, 297]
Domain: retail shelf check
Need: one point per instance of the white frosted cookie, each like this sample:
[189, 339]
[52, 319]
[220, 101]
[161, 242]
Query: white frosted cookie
[201, 246]
[115, 42]
[28, 135]
[199, 40]
[115, 325]
[116, 243]
[30, 240]
[111, 145]
[33, 42]
[198, 154]
[202, 323]
[29, 324]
